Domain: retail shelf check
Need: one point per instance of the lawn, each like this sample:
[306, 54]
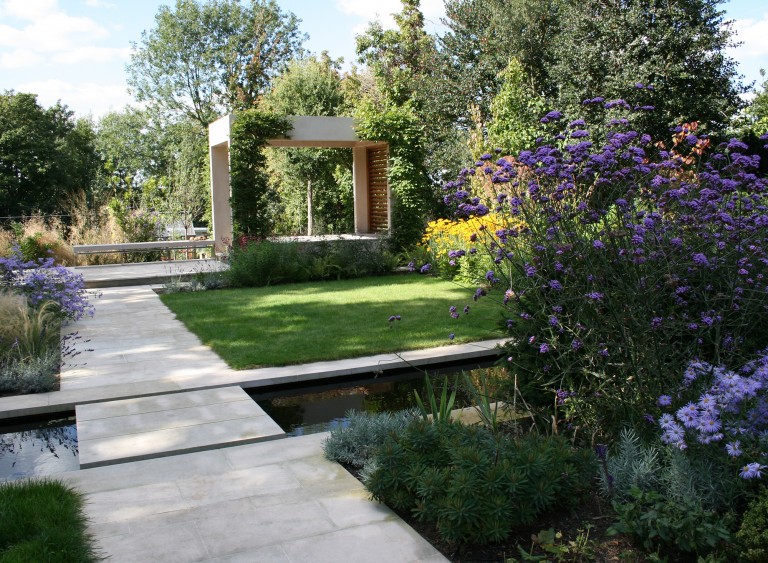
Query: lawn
[331, 320]
[43, 521]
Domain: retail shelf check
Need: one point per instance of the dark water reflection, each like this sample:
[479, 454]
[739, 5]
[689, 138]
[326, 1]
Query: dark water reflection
[38, 448]
[325, 407]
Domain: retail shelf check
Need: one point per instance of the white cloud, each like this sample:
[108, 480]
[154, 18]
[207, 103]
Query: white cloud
[84, 98]
[99, 4]
[93, 55]
[19, 58]
[754, 36]
[46, 30]
[382, 11]
[28, 10]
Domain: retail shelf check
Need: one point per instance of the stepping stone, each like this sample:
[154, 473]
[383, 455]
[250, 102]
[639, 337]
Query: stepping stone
[163, 425]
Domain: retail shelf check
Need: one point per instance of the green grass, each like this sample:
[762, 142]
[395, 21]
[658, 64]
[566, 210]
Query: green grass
[331, 320]
[43, 521]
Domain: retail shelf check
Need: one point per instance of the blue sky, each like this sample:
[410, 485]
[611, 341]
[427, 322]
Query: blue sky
[76, 50]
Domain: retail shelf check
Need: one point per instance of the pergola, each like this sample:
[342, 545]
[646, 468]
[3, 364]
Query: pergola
[369, 170]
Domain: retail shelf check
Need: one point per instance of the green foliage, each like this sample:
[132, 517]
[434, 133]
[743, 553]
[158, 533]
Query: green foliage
[248, 178]
[203, 59]
[261, 263]
[473, 485]
[46, 157]
[693, 476]
[439, 409]
[634, 465]
[411, 193]
[311, 177]
[355, 443]
[43, 520]
[679, 48]
[32, 374]
[515, 112]
[753, 532]
[30, 351]
[555, 549]
[670, 526]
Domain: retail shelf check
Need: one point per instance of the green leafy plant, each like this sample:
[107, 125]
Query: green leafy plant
[670, 526]
[753, 532]
[248, 178]
[355, 442]
[439, 410]
[554, 548]
[473, 486]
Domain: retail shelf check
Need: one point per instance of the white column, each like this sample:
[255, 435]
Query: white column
[221, 211]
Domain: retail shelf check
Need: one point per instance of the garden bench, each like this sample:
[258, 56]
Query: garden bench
[162, 245]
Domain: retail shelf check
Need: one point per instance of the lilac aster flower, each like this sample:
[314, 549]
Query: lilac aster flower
[734, 448]
[544, 348]
[425, 268]
[598, 244]
[594, 296]
[664, 401]
[751, 471]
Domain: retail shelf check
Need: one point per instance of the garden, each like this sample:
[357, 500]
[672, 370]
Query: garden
[632, 278]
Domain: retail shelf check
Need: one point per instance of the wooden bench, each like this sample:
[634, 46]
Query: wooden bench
[162, 245]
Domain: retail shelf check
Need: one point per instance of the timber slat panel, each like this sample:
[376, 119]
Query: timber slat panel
[378, 201]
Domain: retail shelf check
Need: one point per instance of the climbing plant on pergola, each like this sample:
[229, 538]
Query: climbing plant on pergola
[391, 189]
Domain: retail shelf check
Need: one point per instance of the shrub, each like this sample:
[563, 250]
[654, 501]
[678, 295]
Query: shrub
[671, 526]
[726, 414]
[43, 520]
[632, 260]
[260, 263]
[663, 469]
[41, 280]
[753, 532]
[34, 374]
[355, 442]
[36, 237]
[445, 241]
[474, 486]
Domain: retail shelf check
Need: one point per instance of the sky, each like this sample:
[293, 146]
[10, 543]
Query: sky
[75, 51]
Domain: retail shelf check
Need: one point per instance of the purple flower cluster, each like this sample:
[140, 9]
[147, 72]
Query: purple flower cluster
[41, 280]
[733, 409]
[625, 237]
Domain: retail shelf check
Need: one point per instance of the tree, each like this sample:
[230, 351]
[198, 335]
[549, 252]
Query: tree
[314, 184]
[515, 112]
[46, 156]
[132, 146]
[608, 46]
[483, 36]
[205, 59]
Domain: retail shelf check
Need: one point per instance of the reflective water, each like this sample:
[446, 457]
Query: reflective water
[38, 448]
[325, 407]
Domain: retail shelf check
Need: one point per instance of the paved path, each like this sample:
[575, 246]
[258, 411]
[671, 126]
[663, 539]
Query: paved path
[275, 501]
[278, 501]
[134, 346]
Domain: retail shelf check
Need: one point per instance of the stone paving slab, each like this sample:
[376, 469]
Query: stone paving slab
[279, 501]
[142, 273]
[141, 428]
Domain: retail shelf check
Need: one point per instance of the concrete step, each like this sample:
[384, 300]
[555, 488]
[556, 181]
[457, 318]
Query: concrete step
[163, 425]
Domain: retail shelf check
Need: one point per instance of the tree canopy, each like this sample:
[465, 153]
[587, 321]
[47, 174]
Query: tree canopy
[46, 156]
[205, 59]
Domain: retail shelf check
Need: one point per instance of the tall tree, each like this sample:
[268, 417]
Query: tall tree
[315, 184]
[46, 156]
[205, 59]
[482, 37]
[608, 46]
